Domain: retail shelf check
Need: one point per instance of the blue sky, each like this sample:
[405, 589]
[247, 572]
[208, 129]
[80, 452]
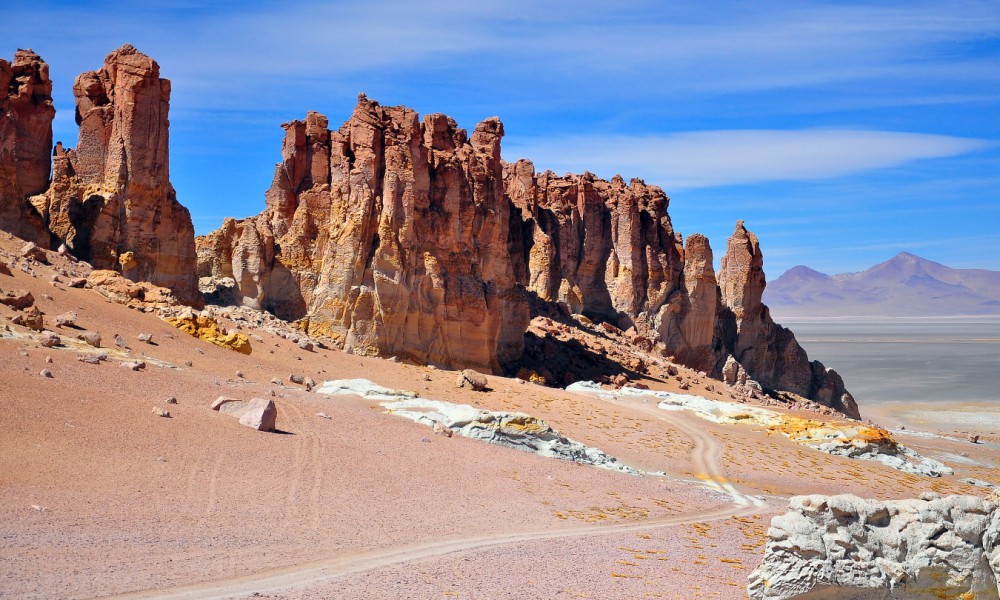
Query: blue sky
[841, 132]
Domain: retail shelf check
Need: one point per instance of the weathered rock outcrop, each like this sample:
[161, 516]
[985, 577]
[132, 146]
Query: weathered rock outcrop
[839, 547]
[110, 199]
[605, 249]
[608, 250]
[26, 114]
[410, 238]
[390, 234]
[769, 352]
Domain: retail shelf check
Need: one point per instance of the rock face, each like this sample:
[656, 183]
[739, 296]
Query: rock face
[841, 547]
[110, 199]
[767, 351]
[605, 249]
[390, 234]
[406, 237]
[26, 114]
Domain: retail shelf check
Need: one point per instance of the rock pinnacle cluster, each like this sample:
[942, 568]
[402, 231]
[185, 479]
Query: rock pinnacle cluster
[393, 234]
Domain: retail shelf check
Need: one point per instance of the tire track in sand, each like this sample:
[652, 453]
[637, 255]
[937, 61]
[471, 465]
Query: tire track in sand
[705, 452]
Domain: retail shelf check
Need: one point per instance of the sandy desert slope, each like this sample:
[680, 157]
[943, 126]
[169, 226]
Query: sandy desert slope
[103, 498]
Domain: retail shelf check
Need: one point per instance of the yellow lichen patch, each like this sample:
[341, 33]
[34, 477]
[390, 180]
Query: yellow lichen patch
[207, 329]
[127, 260]
[521, 424]
[800, 430]
[531, 377]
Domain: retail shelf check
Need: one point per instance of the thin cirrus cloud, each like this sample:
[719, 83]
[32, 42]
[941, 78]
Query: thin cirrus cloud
[701, 159]
[606, 51]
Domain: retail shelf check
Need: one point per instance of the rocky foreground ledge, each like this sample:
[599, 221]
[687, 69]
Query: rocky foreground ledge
[841, 547]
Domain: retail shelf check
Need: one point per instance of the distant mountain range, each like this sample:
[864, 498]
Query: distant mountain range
[905, 285]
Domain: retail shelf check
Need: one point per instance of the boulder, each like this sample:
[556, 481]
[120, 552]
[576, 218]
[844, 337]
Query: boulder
[206, 328]
[472, 380]
[67, 319]
[17, 299]
[31, 251]
[30, 318]
[139, 295]
[844, 547]
[91, 338]
[49, 339]
[259, 414]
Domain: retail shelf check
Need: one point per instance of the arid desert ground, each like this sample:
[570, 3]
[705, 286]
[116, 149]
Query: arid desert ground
[105, 499]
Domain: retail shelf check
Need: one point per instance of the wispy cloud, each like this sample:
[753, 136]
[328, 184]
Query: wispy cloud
[715, 158]
[225, 56]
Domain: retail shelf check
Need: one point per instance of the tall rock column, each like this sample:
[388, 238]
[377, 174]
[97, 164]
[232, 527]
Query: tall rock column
[26, 114]
[604, 248]
[111, 200]
[688, 322]
[390, 234]
[769, 352]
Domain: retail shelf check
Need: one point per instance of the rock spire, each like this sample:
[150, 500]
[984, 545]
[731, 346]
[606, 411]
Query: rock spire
[26, 114]
[111, 200]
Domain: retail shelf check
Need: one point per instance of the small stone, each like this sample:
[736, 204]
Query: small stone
[188, 363]
[323, 415]
[145, 337]
[49, 339]
[134, 365]
[90, 360]
[31, 251]
[171, 400]
[427, 377]
[276, 381]
[441, 429]
[161, 412]
[239, 374]
[46, 373]
[67, 319]
[91, 338]
[295, 378]
[119, 341]
[306, 345]
[974, 439]
[684, 385]
[48, 360]
[77, 282]
[472, 379]
[17, 299]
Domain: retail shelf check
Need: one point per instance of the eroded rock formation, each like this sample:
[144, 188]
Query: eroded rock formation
[767, 351]
[840, 547]
[608, 250]
[26, 114]
[407, 237]
[602, 248]
[390, 234]
[111, 200]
